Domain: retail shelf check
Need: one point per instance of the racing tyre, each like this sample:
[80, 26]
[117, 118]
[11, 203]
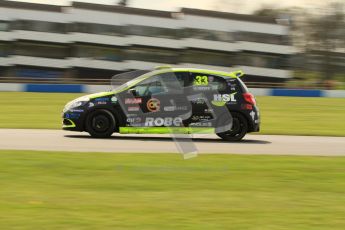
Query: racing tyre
[238, 130]
[100, 124]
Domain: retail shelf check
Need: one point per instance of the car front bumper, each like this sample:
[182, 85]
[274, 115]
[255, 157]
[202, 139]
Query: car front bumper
[72, 121]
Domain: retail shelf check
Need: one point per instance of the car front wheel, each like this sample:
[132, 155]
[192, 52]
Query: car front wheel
[238, 130]
[100, 124]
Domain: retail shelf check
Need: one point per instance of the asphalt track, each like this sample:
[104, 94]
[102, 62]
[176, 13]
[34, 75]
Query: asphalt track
[58, 140]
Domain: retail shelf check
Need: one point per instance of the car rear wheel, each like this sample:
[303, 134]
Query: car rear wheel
[238, 130]
[100, 124]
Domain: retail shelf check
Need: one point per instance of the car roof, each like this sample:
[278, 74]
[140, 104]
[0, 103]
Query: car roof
[234, 74]
[168, 69]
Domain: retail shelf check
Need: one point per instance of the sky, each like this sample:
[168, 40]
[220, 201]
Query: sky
[235, 6]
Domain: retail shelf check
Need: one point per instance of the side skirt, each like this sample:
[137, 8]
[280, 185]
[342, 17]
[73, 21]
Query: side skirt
[166, 130]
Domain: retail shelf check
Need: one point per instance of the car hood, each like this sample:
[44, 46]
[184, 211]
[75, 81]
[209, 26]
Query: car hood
[101, 94]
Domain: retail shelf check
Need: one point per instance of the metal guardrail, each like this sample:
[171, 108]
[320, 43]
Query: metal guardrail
[103, 81]
[287, 85]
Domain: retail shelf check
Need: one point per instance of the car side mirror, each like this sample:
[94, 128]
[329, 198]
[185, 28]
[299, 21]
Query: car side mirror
[132, 91]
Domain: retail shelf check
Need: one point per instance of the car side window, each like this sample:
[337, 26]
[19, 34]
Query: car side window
[140, 90]
[205, 82]
[183, 78]
[156, 87]
[151, 86]
[171, 82]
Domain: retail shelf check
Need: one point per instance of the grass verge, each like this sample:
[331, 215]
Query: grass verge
[56, 190]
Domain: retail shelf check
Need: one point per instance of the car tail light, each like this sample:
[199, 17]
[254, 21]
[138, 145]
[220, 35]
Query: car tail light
[247, 106]
[248, 97]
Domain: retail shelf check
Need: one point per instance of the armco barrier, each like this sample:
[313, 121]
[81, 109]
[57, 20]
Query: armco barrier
[12, 87]
[296, 92]
[56, 88]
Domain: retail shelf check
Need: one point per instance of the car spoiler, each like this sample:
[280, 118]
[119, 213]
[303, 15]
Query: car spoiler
[238, 73]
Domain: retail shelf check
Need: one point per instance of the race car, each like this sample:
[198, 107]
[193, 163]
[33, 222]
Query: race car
[168, 101]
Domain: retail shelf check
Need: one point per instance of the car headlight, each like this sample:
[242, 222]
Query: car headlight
[76, 103]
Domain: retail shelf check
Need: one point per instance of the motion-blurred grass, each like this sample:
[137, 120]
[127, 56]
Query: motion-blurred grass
[280, 115]
[47, 190]
[33, 110]
[302, 116]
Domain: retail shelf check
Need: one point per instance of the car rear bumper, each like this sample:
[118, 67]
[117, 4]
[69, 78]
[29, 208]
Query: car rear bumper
[255, 128]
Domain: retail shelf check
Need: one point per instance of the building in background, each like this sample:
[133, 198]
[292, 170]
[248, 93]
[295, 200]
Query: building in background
[91, 41]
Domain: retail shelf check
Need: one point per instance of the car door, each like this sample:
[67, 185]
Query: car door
[158, 101]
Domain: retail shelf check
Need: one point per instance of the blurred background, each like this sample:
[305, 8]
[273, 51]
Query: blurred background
[290, 48]
[297, 44]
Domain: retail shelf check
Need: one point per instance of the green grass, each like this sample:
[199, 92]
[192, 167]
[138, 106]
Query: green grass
[55, 190]
[280, 115]
[33, 110]
[302, 116]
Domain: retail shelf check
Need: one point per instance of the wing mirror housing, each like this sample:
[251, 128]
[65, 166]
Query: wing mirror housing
[132, 91]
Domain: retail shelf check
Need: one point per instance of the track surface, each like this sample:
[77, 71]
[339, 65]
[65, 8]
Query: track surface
[58, 140]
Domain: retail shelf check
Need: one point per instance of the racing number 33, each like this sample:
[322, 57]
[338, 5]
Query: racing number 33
[201, 80]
